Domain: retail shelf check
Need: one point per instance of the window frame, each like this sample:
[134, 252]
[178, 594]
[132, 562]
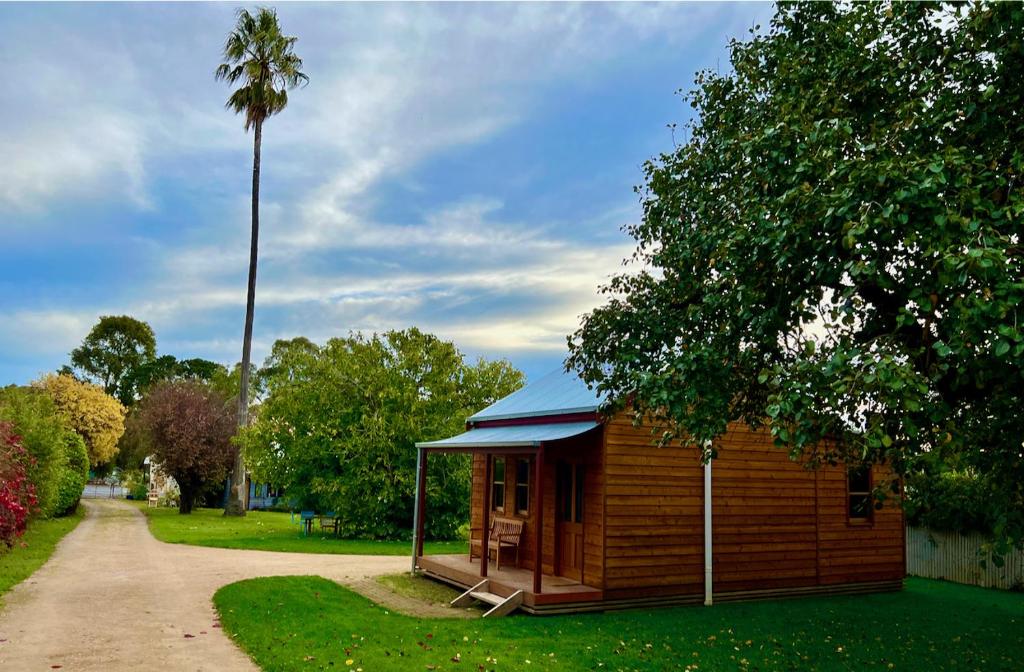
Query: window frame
[525, 485]
[869, 517]
[495, 504]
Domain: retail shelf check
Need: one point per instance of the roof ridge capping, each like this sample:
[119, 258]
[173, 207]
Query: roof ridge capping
[557, 393]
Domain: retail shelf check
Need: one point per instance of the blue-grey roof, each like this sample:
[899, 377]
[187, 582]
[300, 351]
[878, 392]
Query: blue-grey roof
[558, 393]
[512, 436]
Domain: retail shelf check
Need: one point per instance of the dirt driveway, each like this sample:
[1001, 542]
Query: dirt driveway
[114, 598]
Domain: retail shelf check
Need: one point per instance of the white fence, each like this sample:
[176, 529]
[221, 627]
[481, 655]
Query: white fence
[957, 557]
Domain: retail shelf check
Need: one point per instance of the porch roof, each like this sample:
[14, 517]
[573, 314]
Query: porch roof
[512, 436]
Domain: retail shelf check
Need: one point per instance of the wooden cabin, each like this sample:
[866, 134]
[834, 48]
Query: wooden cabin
[608, 519]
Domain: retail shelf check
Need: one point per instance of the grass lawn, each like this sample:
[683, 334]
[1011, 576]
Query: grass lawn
[309, 623]
[31, 550]
[419, 588]
[269, 531]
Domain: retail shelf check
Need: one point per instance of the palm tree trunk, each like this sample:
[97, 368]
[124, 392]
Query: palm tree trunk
[239, 488]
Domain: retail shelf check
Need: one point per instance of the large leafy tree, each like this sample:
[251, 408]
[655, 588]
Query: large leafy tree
[131, 449]
[837, 248]
[112, 352]
[188, 426]
[169, 367]
[339, 422]
[259, 57]
[86, 409]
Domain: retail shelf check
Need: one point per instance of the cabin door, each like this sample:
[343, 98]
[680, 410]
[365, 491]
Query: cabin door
[569, 493]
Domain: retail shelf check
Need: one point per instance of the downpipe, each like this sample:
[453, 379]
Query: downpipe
[708, 551]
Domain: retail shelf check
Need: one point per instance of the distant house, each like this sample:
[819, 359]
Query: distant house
[161, 483]
[263, 495]
[608, 519]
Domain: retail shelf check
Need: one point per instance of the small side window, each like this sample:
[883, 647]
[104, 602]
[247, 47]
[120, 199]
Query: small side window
[858, 490]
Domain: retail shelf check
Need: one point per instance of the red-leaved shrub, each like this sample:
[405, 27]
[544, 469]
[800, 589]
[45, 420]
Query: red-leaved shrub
[17, 494]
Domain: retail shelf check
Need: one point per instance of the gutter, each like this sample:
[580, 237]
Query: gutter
[708, 554]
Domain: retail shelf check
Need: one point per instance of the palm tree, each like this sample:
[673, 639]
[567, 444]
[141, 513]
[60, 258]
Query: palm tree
[260, 57]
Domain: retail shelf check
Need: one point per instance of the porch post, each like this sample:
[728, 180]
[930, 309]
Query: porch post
[486, 519]
[538, 489]
[420, 505]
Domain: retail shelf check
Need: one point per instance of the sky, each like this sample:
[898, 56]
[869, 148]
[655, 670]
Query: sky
[463, 168]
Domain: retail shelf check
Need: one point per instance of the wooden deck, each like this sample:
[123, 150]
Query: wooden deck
[557, 593]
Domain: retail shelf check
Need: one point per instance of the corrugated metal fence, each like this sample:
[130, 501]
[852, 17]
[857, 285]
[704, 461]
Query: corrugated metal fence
[957, 557]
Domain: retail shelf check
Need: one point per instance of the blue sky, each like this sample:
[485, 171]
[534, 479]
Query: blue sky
[461, 168]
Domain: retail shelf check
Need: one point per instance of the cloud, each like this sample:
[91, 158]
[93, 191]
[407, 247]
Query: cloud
[474, 278]
[49, 160]
[119, 107]
[34, 332]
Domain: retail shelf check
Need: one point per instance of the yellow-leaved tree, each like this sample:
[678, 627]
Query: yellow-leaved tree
[95, 415]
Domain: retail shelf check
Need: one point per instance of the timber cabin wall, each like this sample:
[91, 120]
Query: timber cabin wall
[775, 524]
[654, 515]
[855, 552]
[587, 449]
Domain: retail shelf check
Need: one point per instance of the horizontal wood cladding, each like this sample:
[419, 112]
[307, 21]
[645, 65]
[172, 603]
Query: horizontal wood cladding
[654, 512]
[778, 528]
[776, 524]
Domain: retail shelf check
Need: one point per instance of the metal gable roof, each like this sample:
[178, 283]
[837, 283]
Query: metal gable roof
[512, 436]
[558, 393]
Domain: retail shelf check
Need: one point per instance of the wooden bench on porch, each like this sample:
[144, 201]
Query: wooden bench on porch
[504, 533]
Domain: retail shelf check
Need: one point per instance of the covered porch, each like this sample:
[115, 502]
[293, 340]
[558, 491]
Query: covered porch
[537, 473]
[556, 591]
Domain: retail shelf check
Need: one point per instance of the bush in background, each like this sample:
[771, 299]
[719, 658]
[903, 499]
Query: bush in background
[34, 418]
[87, 409]
[956, 501]
[74, 475]
[136, 483]
[17, 493]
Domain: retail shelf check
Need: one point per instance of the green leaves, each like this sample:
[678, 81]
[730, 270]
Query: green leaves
[113, 351]
[837, 249]
[341, 420]
[258, 54]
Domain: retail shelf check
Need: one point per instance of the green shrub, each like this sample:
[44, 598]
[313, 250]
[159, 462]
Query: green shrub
[42, 432]
[73, 475]
[341, 420]
[136, 483]
[956, 501]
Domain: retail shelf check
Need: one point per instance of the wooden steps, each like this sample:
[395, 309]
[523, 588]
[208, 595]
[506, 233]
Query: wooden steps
[500, 605]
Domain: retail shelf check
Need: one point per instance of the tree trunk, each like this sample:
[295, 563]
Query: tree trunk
[186, 497]
[239, 488]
